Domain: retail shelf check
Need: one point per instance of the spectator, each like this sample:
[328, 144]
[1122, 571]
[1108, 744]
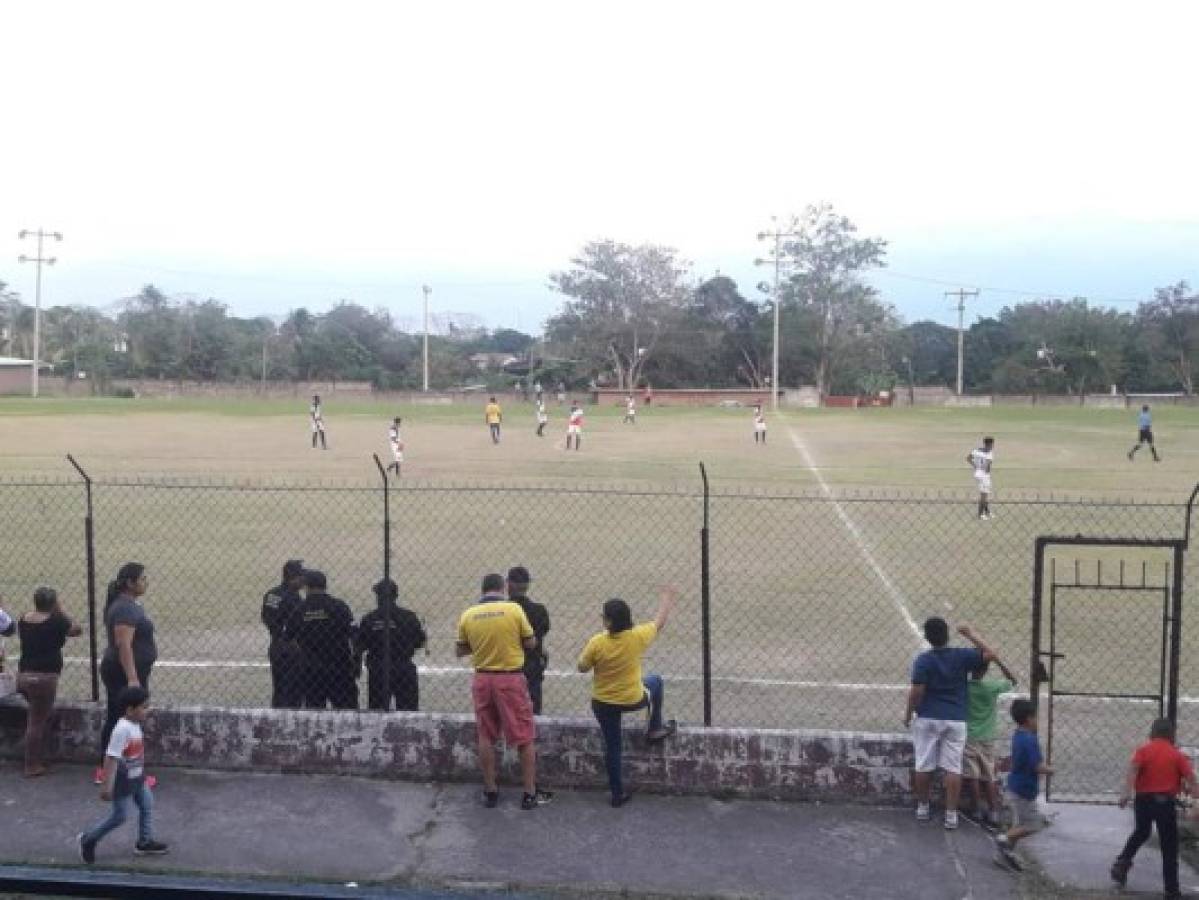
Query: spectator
[7, 627]
[278, 604]
[617, 685]
[44, 632]
[124, 778]
[407, 636]
[323, 628]
[938, 700]
[978, 761]
[131, 651]
[536, 659]
[1023, 782]
[495, 633]
[1156, 775]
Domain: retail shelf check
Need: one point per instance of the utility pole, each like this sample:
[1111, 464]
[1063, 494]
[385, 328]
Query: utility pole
[777, 234]
[427, 291]
[40, 260]
[961, 294]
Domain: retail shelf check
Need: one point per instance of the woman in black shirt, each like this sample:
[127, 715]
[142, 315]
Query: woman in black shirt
[43, 633]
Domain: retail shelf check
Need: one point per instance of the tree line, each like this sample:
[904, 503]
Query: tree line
[635, 314]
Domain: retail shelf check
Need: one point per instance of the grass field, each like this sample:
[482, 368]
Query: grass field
[828, 545]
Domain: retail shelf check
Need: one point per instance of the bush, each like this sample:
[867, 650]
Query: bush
[125, 393]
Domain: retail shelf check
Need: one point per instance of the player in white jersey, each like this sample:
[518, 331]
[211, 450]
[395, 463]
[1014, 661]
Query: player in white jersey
[397, 446]
[542, 416]
[574, 427]
[759, 424]
[318, 422]
[630, 410]
[980, 461]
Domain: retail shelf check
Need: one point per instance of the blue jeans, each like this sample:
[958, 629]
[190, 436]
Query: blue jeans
[145, 819]
[608, 715]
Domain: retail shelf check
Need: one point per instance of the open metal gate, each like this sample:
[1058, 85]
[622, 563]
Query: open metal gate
[1106, 638]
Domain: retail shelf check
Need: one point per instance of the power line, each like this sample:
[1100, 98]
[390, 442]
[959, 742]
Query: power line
[1046, 295]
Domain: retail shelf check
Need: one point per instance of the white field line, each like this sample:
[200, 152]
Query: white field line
[894, 593]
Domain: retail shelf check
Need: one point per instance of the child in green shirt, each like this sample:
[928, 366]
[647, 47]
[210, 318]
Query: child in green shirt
[982, 727]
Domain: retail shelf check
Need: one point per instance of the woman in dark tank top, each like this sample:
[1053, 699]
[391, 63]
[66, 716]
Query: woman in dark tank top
[44, 632]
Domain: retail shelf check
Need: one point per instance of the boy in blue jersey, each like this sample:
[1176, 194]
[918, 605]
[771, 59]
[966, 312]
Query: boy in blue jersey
[1145, 435]
[1023, 783]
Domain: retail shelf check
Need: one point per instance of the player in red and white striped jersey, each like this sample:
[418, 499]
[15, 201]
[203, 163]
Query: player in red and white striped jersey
[574, 427]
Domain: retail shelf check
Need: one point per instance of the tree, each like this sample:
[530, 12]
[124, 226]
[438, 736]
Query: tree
[622, 299]
[932, 350]
[1172, 328]
[826, 260]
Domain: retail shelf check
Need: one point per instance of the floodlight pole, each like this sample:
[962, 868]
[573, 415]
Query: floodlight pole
[40, 260]
[427, 290]
[961, 294]
[778, 236]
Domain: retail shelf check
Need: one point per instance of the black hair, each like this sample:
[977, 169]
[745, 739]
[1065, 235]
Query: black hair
[1162, 728]
[988, 440]
[111, 593]
[519, 575]
[493, 583]
[1145, 408]
[491, 399]
[129, 573]
[936, 631]
[386, 590]
[1022, 710]
[44, 599]
[293, 568]
[130, 696]
[619, 616]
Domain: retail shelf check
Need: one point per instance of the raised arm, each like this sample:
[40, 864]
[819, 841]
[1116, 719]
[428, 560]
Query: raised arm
[668, 598]
[973, 637]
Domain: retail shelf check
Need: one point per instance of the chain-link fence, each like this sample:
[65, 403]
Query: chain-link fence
[816, 599]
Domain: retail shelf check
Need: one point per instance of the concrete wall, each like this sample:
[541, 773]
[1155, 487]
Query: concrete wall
[688, 396]
[18, 380]
[792, 765]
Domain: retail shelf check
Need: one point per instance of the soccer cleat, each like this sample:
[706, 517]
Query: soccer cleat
[922, 813]
[151, 848]
[951, 820]
[87, 851]
[491, 799]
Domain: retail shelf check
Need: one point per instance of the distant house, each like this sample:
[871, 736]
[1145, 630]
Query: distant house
[487, 361]
[16, 375]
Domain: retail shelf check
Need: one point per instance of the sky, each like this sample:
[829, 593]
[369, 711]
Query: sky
[276, 155]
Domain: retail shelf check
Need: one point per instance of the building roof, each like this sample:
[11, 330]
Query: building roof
[14, 361]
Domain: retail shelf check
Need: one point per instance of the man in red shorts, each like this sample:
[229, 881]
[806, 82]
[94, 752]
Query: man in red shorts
[494, 633]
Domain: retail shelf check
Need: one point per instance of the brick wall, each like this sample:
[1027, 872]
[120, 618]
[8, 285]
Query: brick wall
[790, 765]
[17, 379]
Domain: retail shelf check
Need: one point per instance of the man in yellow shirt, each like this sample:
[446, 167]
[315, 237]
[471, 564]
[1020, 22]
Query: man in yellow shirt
[495, 633]
[494, 415]
[618, 686]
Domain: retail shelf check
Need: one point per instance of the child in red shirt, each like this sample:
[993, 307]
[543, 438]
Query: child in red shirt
[1158, 771]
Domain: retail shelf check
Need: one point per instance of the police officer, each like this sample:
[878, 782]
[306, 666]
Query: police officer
[323, 627]
[407, 636]
[536, 659]
[278, 604]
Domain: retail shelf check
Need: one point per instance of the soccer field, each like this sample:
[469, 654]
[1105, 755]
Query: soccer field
[828, 546]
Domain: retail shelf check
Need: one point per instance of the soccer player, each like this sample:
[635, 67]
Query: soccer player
[759, 424]
[397, 446]
[574, 427]
[1145, 424]
[542, 416]
[980, 460]
[494, 415]
[630, 410]
[318, 422]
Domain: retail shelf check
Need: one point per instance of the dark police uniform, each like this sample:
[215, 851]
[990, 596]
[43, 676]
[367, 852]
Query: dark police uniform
[323, 627]
[536, 660]
[407, 636]
[278, 605]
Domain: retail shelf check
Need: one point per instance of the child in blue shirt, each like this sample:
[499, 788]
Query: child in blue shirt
[1023, 783]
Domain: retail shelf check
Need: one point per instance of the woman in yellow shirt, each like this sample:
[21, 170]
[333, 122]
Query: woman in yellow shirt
[618, 686]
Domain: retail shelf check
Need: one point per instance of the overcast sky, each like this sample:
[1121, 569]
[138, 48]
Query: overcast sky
[282, 154]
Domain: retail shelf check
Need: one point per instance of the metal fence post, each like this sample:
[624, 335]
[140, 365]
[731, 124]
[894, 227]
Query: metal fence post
[90, 545]
[705, 591]
[384, 600]
[1175, 630]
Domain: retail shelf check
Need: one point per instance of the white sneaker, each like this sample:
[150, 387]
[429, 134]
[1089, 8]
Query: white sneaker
[951, 820]
[922, 814]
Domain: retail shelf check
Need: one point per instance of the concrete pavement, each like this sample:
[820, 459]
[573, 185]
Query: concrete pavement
[375, 833]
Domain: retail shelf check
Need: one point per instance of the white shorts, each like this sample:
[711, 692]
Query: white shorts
[397, 454]
[984, 483]
[574, 429]
[760, 427]
[938, 744]
[318, 426]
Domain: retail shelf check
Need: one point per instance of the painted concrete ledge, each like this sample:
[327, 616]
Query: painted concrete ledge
[790, 765]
